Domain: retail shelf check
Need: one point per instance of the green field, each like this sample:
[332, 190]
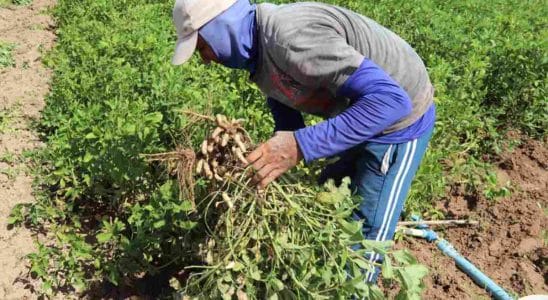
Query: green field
[115, 96]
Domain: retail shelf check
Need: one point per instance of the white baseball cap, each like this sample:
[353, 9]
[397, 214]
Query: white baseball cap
[189, 16]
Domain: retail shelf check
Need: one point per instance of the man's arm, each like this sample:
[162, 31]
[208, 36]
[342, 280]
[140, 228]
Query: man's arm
[378, 102]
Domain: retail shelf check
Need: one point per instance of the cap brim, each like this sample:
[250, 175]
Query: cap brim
[184, 48]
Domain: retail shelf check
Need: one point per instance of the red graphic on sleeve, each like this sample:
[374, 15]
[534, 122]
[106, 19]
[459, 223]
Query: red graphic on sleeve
[319, 102]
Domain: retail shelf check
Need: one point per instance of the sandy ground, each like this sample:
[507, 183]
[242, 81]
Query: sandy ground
[22, 91]
[509, 246]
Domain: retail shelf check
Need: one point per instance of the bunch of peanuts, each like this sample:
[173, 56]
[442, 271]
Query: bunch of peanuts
[222, 154]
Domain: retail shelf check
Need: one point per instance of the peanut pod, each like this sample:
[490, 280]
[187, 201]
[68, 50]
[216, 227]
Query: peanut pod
[199, 166]
[227, 199]
[219, 119]
[240, 155]
[204, 147]
[207, 171]
[222, 121]
[224, 140]
[221, 170]
[210, 147]
[209, 258]
[238, 140]
[237, 121]
[216, 132]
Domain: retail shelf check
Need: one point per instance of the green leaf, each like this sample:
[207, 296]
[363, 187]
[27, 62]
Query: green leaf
[350, 227]
[357, 283]
[363, 264]
[113, 276]
[60, 172]
[386, 269]
[411, 277]
[186, 206]
[417, 271]
[273, 297]
[47, 287]
[87, 179]
[87, 157]
[404, 257]
[276, 284]
[361, 285]
[159, 224]
[38, 270]
[282, 240]
[255, 274]
[154, 118]
[167, 190]
[375, 293]
[188, 225]
[378, 246]
[238, 266]
[326, 276]
[223, 287]
[90, 136]
[103, 237]
[130, 128]
[407, 295]
[325, 198]
[344, 188]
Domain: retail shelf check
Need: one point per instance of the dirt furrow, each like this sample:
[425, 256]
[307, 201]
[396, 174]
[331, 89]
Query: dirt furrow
[22, 90]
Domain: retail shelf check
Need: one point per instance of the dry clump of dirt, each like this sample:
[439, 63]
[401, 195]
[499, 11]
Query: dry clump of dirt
[23, 88]
[509, 246]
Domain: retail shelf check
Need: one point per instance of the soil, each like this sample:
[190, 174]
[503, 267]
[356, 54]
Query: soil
[22, 91]
[509, 245]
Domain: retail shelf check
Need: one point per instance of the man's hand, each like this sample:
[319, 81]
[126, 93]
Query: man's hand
[274, 157]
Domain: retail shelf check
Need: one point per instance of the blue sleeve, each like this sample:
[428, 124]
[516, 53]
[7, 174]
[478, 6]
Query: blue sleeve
[285, 117]
[377, 102]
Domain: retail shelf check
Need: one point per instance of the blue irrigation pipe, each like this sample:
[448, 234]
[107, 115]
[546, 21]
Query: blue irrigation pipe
[462, 263]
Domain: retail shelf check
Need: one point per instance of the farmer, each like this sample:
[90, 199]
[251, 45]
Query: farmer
[370, 86]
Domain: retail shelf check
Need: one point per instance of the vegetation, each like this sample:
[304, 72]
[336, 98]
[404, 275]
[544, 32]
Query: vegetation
[113, 216]
[4, 3]
[6, 55]
[21, 2]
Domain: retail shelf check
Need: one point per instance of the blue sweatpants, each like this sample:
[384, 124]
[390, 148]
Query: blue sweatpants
[383, 176]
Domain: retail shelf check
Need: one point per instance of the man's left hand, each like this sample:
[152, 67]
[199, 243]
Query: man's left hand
[274, 157]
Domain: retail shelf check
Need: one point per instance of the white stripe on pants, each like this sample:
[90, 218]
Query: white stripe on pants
[393, 198]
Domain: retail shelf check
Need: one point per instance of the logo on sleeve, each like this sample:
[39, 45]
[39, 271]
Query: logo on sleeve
[317, 102]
